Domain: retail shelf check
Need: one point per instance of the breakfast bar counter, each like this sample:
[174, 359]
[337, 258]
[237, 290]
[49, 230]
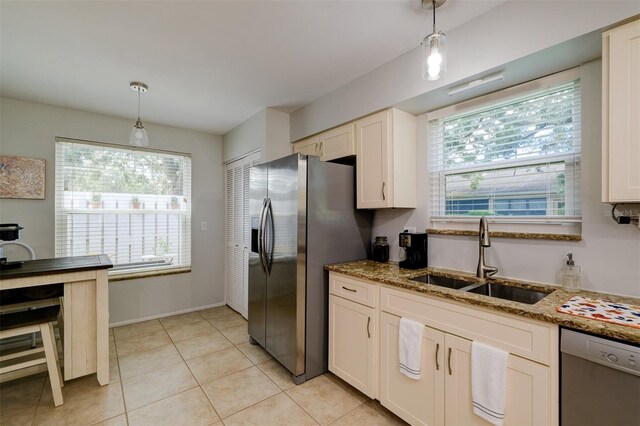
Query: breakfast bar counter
[85, 307]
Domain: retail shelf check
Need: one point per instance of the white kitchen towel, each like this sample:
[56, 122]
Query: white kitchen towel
[410, 347]
[489, 382]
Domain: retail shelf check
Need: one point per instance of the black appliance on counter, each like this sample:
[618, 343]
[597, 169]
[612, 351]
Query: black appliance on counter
[415, 247]
[9, 231]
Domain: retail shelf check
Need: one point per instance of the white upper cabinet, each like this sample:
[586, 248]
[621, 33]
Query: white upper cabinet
[309, 146]
[330, 145]
[386, 160]
[385, 148]
[621, 114]
[337, 143]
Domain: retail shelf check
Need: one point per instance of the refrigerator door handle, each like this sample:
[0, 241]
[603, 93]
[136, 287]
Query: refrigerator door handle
[269, 221]
[261, 235]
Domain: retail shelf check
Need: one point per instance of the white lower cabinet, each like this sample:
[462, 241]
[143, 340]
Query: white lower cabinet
[353, 344]
[418, 402]
[443, 393]
[528, 388]
[353, 332]
[363, 350]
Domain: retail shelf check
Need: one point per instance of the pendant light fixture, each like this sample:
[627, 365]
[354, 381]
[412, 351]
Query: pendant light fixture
[434, 46]
[138, 136]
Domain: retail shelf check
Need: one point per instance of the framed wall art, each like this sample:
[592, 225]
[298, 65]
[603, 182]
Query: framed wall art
[21, 177]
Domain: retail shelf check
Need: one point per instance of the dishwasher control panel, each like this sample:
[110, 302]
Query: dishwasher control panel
[624, 357]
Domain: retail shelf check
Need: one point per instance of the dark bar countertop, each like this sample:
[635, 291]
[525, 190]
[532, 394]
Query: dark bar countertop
[58, 265]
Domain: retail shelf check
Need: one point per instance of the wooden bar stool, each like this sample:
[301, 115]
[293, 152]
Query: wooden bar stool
[32, 321]
[29, 298]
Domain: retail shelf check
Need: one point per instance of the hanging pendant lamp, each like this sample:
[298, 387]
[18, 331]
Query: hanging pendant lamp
[434, 46]
[138, 136]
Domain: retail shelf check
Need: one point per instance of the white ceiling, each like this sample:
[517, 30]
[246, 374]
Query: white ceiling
[209, 64]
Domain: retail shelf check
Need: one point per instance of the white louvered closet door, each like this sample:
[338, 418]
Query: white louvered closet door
[238, 224]
[246, 236]
[238, 232]
[229, 228]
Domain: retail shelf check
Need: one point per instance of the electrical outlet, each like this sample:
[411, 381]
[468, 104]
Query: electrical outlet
[411, 229]
[203, 226]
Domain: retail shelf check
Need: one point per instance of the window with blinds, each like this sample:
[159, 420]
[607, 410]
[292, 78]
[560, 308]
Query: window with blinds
[513, 156]
[131, 204]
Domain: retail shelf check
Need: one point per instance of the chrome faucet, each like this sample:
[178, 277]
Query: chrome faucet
[483, 270]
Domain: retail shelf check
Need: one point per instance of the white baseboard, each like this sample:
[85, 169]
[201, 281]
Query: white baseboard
[185, 311]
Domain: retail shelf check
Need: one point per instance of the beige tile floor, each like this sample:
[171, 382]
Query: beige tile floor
[192, 369]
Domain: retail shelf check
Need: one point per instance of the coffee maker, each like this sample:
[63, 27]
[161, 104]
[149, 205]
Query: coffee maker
[415, 246]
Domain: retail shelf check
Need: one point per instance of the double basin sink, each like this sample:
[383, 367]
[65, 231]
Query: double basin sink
[501, 291]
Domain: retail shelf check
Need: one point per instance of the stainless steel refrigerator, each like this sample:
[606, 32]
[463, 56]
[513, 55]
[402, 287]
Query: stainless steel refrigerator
[303, 216]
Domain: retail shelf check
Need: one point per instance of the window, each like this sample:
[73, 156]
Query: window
[133, 205]
[513, 156]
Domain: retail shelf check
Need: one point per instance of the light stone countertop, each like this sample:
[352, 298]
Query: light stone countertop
[545, 310]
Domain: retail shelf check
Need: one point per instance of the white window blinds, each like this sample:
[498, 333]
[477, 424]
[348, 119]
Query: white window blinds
[133, 205]
[515, 160]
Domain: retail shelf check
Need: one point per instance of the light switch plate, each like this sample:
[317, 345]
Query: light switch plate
[411, 229]
[203, 226]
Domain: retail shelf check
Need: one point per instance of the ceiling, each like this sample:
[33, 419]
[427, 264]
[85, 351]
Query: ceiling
[209, 64]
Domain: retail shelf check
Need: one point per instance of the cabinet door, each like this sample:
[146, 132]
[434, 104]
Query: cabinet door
[373, 139]
[416, 401]
[338, 143]
[528, 388]
[308, 146]
[621, 126]
[352, 344]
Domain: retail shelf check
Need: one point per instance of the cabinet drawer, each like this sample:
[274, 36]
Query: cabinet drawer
[353, 289]
[530, 339]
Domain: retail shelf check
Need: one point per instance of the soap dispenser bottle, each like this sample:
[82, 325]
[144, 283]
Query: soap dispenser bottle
[570, 274]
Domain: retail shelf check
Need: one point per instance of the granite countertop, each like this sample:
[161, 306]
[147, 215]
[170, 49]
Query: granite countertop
[31, 268]
[545, 310]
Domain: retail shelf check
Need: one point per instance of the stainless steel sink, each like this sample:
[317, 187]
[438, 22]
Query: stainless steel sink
[443, 281]
[515, 294]
[501, 291]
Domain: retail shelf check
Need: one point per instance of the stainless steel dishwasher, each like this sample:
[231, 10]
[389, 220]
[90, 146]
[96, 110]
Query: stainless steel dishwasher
[599, 380]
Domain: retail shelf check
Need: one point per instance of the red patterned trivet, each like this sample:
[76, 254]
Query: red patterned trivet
[602, 310]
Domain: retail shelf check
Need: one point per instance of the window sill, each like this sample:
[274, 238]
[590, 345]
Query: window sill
[147, 274]
[503, 234]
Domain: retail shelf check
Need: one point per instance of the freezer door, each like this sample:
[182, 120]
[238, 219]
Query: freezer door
[336, 232]
[285, 257]
[257, 276]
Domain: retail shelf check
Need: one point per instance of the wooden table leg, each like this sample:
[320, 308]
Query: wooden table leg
[102, 323]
